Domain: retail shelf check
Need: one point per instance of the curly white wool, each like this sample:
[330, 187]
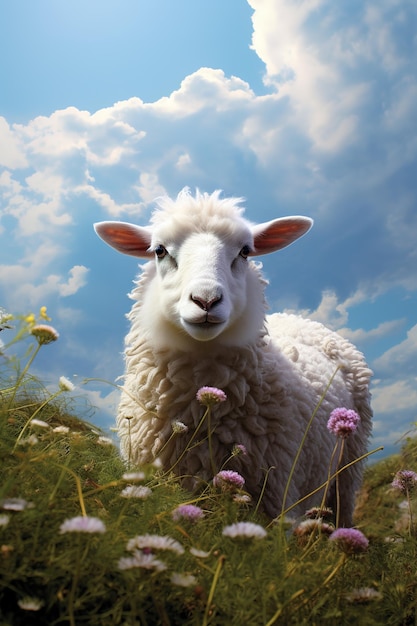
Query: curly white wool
[199, 320]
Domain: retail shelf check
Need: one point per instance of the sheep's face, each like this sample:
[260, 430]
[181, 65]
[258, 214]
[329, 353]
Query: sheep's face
[204, 287]
[203, 283]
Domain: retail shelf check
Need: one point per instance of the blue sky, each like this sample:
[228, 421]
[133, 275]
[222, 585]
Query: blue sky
[304, 107]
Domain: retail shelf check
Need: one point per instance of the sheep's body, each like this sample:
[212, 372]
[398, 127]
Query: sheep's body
[274, 381]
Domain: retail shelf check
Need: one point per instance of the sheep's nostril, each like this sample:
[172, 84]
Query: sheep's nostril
[206, 305]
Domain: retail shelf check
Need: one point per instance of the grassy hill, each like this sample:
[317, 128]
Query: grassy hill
[86, 539]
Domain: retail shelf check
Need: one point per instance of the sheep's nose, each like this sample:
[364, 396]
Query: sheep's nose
[206, 305]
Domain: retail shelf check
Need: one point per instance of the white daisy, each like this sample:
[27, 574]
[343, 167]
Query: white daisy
[183, 580]
[155, 542]
[65, 384]
[139, 559]
[245, 529]
[134, 477]
[82, 524]
[30, 604]
[132, 491]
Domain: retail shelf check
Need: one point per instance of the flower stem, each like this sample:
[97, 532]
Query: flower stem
[212, 589]
[320, 487]
[263, 488]
[337, 484]
[40, 407]
[300, 447]
[189, 443]
[278, 613]
[323, 500]
[23, 374]
[210, 442]
[77, 482]
[410, 514]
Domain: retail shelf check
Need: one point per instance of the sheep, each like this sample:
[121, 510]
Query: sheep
[199, 319]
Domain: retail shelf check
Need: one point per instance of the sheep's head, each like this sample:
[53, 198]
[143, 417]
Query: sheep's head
[205, 285]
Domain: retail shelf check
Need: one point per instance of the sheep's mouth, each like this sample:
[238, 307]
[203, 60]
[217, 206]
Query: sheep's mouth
[208, 320]
[204, 330]
[207, 324]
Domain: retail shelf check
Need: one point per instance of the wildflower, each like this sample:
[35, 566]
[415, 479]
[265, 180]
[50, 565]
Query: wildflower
[30, 604]
[317, 512]
[139, 559]
[342, 422]
[131, 491]
[32, 440]
[82, 524]
[242, 498]
[30, 319]
[179, 427]
[43, 314]
[61, 429]
[154, 542]
[228, 480]
[310, 527]
[5, 318]
[183, 580]
[239, 448]
[39, 423]
[244, 529]
[65, 384]
[4, 519]
[134, 476]
[105, 441]
[201, 554]
[362, 595]
[350, 540]
[44, 333]
[187, 512]
[15, 504]
[210, 395]
[404, 481]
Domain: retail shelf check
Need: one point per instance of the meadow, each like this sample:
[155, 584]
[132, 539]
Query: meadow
[88, 538]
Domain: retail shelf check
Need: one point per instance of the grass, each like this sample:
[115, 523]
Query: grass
[60, 472]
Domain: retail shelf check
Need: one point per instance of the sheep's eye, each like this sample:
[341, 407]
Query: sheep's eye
[160, 251]
[245, 252]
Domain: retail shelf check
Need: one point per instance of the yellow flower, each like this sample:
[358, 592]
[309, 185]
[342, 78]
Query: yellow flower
[43, 314]
[30, 319]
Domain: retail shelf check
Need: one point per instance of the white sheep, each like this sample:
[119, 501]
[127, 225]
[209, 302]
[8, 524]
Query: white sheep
[199, 320]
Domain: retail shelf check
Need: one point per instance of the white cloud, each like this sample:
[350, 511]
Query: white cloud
[206, 88]
[77, 278]
[106, 404]
[362, 336]
[11, 153]
[106, 202]
[396, 397]
[303, 69]
[330, 311]
[400, 357]
[26, 285]
[326, 57]
[149, 187]
[394, 393]
[184, 160]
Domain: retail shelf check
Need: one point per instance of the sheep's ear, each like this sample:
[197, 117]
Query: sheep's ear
[126, 238]
[279, 233]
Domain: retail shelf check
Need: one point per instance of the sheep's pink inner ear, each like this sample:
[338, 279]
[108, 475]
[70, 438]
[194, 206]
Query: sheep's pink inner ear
[279, 233]
[126, 238]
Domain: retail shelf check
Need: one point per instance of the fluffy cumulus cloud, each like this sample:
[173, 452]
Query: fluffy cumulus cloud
[333, 137]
